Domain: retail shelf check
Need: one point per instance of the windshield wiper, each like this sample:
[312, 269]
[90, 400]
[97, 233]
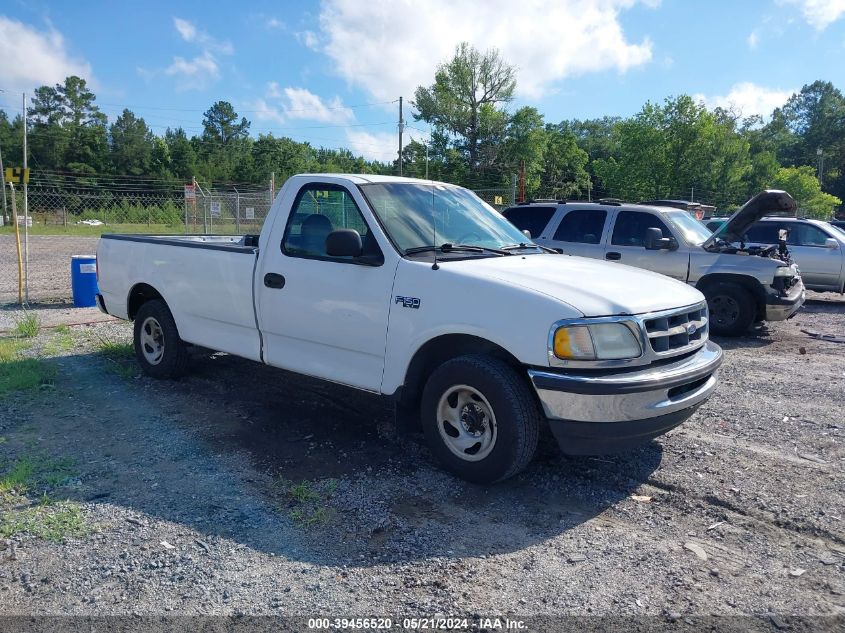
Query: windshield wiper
[456, 248]
[513, 247]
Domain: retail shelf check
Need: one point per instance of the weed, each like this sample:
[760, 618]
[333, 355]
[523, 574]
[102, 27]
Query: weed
[61, 341]
[17, 373]
[120, 356]
[36, 472]
[50, 521]
[27, 326]
[307, 500]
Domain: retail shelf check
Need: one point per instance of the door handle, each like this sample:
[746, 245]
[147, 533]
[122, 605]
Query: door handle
[613, 255]
[274, 280]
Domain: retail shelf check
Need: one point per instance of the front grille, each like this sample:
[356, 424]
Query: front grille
[678, 330]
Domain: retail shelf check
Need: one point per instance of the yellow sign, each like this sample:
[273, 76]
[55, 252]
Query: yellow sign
[497, 200]
[17, 175]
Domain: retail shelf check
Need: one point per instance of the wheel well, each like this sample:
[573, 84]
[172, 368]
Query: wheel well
[138, 296]
[440, 349]
[750, 283]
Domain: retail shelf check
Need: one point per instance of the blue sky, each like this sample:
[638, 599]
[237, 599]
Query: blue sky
[328, 71]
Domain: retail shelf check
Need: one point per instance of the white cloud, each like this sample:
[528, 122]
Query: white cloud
[304, 104]
[263, 111]
[382, 146]
[309, 38]
[747, 99]
[189, 32]
[819, 13]
[32, 58]
[186, 29]
[391, 48]
[753, 39]
[275, 23]
[195, 74]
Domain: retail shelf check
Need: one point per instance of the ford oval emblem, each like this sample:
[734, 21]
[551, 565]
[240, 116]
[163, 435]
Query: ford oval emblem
[691, 328]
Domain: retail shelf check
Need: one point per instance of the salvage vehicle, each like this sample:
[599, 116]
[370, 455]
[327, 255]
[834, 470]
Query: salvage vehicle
[422, 292]
[817, 247]
[742, 284]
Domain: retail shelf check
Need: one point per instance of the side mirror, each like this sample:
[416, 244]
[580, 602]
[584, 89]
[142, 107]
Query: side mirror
[344, 243]
[654, 240]
[526, 233]
[831, 243]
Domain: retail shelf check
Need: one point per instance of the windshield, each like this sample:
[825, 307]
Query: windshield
[837, 231]
[694, 232]
[418, 215]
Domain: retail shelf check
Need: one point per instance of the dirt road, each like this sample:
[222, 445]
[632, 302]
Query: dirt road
[246, 490]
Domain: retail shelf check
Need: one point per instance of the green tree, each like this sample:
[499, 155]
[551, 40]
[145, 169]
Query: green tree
[801, 183]
[132, 145]
[221, 126]
[564, 165]
[68, 129]
[465, 99]
[525, 145]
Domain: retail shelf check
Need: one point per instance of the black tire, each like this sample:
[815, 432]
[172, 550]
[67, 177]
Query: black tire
[513, 406]
[731, 307]
[173, 360]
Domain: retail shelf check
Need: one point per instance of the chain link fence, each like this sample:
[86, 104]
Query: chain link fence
[67, 221]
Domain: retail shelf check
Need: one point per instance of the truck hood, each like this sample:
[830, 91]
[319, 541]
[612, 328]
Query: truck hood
[768, 202]
[592, 287]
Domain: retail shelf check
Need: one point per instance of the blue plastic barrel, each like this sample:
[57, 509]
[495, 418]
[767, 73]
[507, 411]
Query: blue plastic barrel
[83, 280]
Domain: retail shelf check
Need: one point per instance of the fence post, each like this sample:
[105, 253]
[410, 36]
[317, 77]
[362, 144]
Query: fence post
[237, 212]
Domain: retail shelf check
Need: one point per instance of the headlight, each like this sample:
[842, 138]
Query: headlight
[786, 271]
[599, 341]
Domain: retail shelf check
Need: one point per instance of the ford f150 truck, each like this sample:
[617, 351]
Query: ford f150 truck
[420, 291]
[742, 284]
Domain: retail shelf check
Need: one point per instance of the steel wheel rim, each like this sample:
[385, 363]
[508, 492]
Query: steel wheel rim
[723, 309]
[152, 341]
[466, 423]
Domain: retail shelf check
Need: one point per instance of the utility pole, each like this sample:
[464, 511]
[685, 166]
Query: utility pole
[401, 129]
[25, 207]
[820, 154]
[513, 189]
[692, 194]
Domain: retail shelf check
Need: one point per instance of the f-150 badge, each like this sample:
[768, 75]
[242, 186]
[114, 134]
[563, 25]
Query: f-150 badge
[408, 302]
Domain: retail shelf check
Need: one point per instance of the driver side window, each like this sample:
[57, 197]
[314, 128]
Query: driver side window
[319, 209]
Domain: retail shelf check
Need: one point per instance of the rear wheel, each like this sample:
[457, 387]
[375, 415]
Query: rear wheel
[731, 309]
[480, 418]
[158, 348]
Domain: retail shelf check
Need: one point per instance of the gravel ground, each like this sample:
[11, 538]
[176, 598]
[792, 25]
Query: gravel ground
[49, 265]
[247, 490]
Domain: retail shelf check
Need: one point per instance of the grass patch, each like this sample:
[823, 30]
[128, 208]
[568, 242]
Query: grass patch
[120, 357]
[18, 373]
[307, 502]
[47, 520]
[27, 326]
[61, 341]
[39, 473]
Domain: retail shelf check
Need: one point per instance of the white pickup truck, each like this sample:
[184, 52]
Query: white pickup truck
[420, 291]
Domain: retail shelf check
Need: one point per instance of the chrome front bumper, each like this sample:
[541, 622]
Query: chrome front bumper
[632, 395]
[595, 414]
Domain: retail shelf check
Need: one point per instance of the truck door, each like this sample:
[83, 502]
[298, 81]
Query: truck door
[320, 315]
[627, 245]
[580, 232]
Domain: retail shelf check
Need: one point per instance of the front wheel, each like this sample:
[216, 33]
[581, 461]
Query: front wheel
[480, 418]
[731, 309]
[158, 348]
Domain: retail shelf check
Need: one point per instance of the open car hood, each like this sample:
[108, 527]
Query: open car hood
[768, 202]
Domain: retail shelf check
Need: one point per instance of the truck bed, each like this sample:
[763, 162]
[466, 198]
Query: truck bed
[236, 243]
